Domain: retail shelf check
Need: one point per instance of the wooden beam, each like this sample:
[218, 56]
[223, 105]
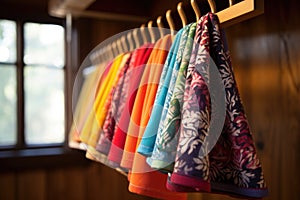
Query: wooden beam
[240, 12]
[77, 8]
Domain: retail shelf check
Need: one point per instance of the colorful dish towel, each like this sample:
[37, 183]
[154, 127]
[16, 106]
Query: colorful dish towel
[169, 116]
[232, 166]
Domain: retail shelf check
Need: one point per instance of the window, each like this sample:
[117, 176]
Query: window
[8, 98]
[44, 83]
[32, 82]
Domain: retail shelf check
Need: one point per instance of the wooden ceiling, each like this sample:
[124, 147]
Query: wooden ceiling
[128, 7]
[143, 9]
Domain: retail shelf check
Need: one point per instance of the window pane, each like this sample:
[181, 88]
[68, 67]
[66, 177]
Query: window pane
[44, 44]
[8, 101]
[44, 105]
[7, 41]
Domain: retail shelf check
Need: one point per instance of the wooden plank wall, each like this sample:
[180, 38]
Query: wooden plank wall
[266, 59]
[77, 183]
[265, 53]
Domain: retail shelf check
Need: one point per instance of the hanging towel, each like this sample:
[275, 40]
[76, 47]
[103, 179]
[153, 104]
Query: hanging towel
[167, 79]
[153, 183]
[84, 104]
[119, 137]
[143, 180]
[145, 98]
[89, 119]
[112, 102]
[91, 126]
[232, 167]
[164, 153]
[105, 98]
[116, 107]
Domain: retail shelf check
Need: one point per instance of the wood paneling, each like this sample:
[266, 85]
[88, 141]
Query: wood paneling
[31, 185]
[7, 186]
[92, 182]
[71, 182]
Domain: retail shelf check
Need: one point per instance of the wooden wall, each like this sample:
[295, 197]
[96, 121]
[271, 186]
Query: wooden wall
[266, 59]
[92, 182]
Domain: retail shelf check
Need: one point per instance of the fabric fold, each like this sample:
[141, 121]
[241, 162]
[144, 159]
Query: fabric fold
[164, 152]
[169, 68]
[233, 160]
[119, 136]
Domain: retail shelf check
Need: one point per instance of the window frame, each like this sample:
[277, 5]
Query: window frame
[22, 155]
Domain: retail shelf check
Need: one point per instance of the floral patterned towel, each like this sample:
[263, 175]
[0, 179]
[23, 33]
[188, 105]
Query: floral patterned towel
[231, 166]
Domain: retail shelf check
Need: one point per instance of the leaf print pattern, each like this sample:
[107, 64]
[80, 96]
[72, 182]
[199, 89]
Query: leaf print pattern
[165, 159]
[167, 138]
[177, 97]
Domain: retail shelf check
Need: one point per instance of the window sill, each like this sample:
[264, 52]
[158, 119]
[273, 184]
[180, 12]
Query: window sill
[51, 157]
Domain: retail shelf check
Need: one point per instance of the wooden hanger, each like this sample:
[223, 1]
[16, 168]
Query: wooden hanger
[115, 48]
[144, 37]
[143, 32]
[104, 57]
[124, 43]
[181, 14]
[212, 6]
[98, 57]
[119, 46]
[130, 41]
[170, 21]
[136, 38]
[151, 31]
[196, 9]
[108, 52]
[160, 26]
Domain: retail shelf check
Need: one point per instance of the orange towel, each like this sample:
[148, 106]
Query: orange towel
[144, 99]
[143, 179]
